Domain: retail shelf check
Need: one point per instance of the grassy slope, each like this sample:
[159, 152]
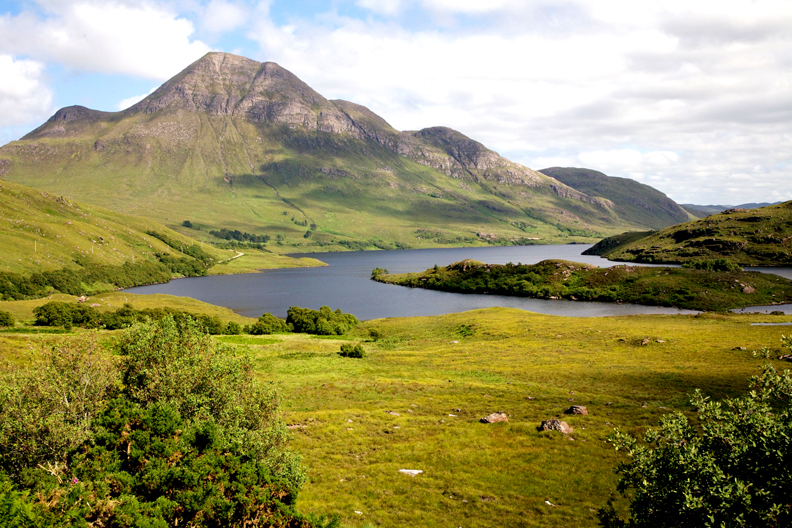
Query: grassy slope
[170, 167]
[754, 237]
[484, 361]
[679, 287]
[645, 204]
[39, 231]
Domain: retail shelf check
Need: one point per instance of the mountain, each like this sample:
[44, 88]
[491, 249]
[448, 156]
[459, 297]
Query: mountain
[640, 203]
[233, 143]
[749, 237]
[705, 210]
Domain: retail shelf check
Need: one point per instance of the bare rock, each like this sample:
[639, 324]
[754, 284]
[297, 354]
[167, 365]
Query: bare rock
[495, 418]
[646, 341]
[555, 424]
[749, 289]
[576, 409]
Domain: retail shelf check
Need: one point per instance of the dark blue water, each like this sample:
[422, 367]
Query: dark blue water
[345, 284]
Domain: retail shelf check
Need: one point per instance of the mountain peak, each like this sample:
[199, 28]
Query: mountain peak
[226, 84]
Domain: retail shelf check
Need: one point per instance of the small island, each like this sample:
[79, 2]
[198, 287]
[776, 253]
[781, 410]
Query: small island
[688, 287]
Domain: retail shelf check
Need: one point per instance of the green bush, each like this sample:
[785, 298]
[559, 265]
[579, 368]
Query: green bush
[178, 432]
[6, 319]
[322, 322]
[731, 468]
[350, 351]
[268, 324]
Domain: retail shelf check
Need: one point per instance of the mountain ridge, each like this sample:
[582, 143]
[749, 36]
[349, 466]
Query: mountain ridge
[231, 142]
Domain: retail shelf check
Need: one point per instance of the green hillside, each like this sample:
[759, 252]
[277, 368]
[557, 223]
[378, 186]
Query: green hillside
[237, 144]
[40, 232]
[641, 203]
[749, 237]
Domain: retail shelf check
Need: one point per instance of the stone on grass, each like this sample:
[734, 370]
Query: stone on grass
[555, 424]
[411, 472]
[576, 409]
[495, 418]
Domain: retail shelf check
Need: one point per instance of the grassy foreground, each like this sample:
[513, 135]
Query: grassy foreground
[357, 422]
[416, 400]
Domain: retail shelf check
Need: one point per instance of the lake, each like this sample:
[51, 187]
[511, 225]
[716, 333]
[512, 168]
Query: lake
[345, 284]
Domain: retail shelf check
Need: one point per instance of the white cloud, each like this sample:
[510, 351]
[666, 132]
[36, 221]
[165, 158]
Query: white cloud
[23, 95]
[135, 38]
[123, 104]
[221, 16]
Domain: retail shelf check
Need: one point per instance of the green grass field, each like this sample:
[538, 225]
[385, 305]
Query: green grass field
[416, 400]
[468, 365]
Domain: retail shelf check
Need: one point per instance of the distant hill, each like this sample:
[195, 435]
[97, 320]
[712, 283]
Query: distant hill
[238, 144]
[749, 237]
[701, 211]
[41, 232]
[639, 202]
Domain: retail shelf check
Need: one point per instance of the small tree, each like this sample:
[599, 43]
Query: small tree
[732, 469]
[6, 319]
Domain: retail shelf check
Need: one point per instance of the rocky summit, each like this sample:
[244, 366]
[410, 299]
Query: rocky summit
[232, 143]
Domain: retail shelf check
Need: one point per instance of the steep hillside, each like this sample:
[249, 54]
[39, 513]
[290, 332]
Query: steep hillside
[749, 237]
[633, 201]
[237, 144]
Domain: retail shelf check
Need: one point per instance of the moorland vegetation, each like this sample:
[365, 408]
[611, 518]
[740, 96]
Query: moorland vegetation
[414, 400]
[702, 285]
[748, 237]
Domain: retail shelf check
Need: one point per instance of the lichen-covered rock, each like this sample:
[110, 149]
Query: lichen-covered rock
[555, 424]
[495, 418]
[576, 409]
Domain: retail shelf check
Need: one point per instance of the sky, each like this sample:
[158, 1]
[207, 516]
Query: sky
[692, 97]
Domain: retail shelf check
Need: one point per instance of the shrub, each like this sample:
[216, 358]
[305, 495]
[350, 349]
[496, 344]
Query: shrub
[352, 351]
[233, 328]
[189, 439]
[268, 324]
[322, 322]
[6, 319]
[732, 469]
